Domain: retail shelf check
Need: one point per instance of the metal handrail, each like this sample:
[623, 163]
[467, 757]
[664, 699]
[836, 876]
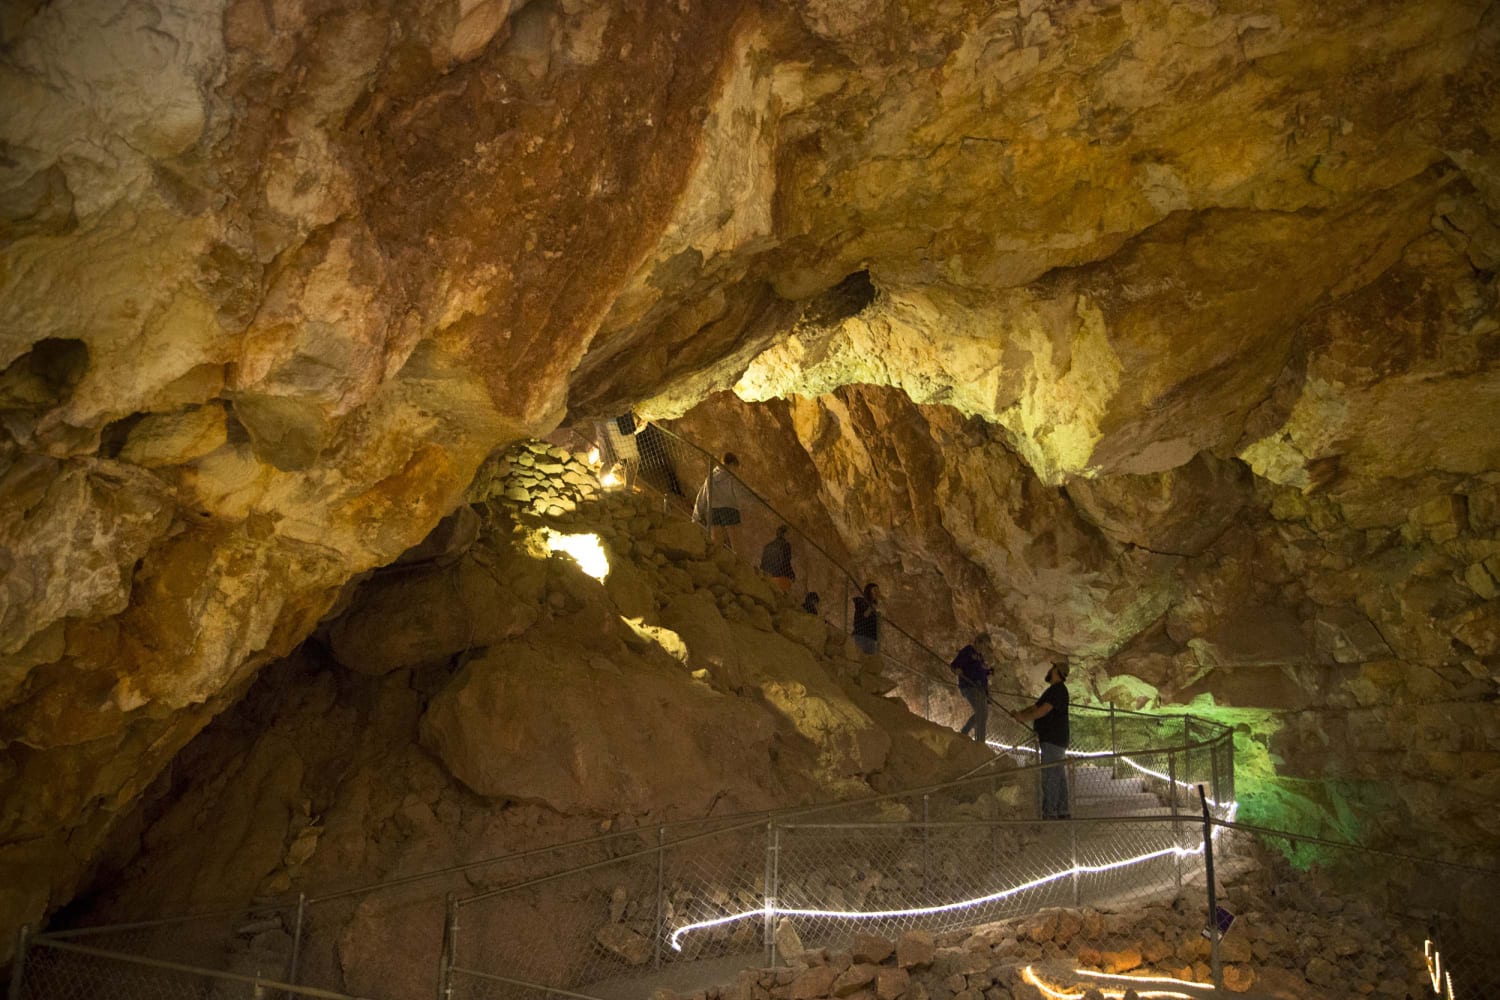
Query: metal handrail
[76, 932]
[978, 821]
[795, 811]
[157, 963]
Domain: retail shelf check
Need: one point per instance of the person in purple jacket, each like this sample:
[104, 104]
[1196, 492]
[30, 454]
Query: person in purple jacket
[973, 669]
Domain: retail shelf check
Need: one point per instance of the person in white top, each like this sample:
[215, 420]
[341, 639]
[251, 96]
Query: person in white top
[718, 503]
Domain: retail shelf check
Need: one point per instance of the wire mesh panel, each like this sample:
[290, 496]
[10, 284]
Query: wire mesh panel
[595, 931]
[565, 931]
[714, 896]
[65, 970]
[837, 881]
[256, 942]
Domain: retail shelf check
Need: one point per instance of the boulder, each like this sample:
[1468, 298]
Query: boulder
[814, 984]
[915, 949]
[853, 980]
[630, 946]
[524, 722]
[890, 984]
[871, 949]
[680, 540]
[408, 618]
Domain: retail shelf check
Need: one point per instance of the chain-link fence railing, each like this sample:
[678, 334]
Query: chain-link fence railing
[50, 967]
[257, 944]
[940, 858]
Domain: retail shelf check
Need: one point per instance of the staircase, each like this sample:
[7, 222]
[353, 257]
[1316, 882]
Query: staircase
[1097, 793]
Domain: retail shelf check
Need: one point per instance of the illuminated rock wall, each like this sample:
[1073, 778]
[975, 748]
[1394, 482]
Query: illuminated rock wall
[274, 280]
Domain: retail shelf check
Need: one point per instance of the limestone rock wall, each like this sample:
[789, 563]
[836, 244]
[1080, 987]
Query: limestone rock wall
[546, 707]
[1357, 659]
[275, 279]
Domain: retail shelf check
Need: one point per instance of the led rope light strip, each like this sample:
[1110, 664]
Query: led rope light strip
[1440, 976]
[1086, 754]
[771, 910]
[1057, 993]
[1165, 980]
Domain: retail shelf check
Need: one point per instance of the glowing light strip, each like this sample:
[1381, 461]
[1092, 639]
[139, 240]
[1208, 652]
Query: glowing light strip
[1440, 977]
[1057, 993]
[770, 909]
[1165, 980]
[1086, 754]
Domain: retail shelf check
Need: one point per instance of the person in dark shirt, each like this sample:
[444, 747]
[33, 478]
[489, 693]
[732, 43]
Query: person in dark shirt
[776, 560]
[974, 682]
[866, 628]
[1050, 718]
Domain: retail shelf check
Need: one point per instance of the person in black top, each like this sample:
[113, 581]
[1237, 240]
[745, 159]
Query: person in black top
[776, 560]
[1050, 716]
[974, 682]
[867, 620]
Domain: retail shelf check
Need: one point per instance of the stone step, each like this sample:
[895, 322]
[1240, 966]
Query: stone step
[1117, 804]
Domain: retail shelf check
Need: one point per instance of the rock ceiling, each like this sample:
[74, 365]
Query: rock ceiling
[275, 277]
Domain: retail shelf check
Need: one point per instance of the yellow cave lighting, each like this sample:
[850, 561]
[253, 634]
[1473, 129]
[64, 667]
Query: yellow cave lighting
[668, 640]
[1058, 993]
[1442, 980]
[586, 550]
[1135, 980]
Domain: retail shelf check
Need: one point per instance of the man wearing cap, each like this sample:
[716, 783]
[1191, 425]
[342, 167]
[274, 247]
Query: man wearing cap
[1050, 720]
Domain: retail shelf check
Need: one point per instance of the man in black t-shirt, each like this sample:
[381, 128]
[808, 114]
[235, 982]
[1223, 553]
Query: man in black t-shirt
[1050, 718]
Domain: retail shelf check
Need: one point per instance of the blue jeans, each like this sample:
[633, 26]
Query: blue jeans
[1054, 782]
[979, 701]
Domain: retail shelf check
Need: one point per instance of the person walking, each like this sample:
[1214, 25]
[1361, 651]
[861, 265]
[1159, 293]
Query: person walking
[866, 628]
[776, 560]
[718, 502]
[973, 669]
[1050, 718]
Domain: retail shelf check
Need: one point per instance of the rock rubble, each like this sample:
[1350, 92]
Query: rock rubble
[1305, 944]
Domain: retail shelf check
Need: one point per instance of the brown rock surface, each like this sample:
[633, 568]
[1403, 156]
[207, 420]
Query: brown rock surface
[275, 280]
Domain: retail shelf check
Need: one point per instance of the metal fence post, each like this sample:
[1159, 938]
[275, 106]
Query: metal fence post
[18, 968]
[1213, 899]
[1077, 877]
[1176, 822]
[1114, 745]
[291, 965]
[1213, 772]
[1068, 776]
[661, 862]
[1187, 753]
[773, 848]
[1229, 770]
[449, 954]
